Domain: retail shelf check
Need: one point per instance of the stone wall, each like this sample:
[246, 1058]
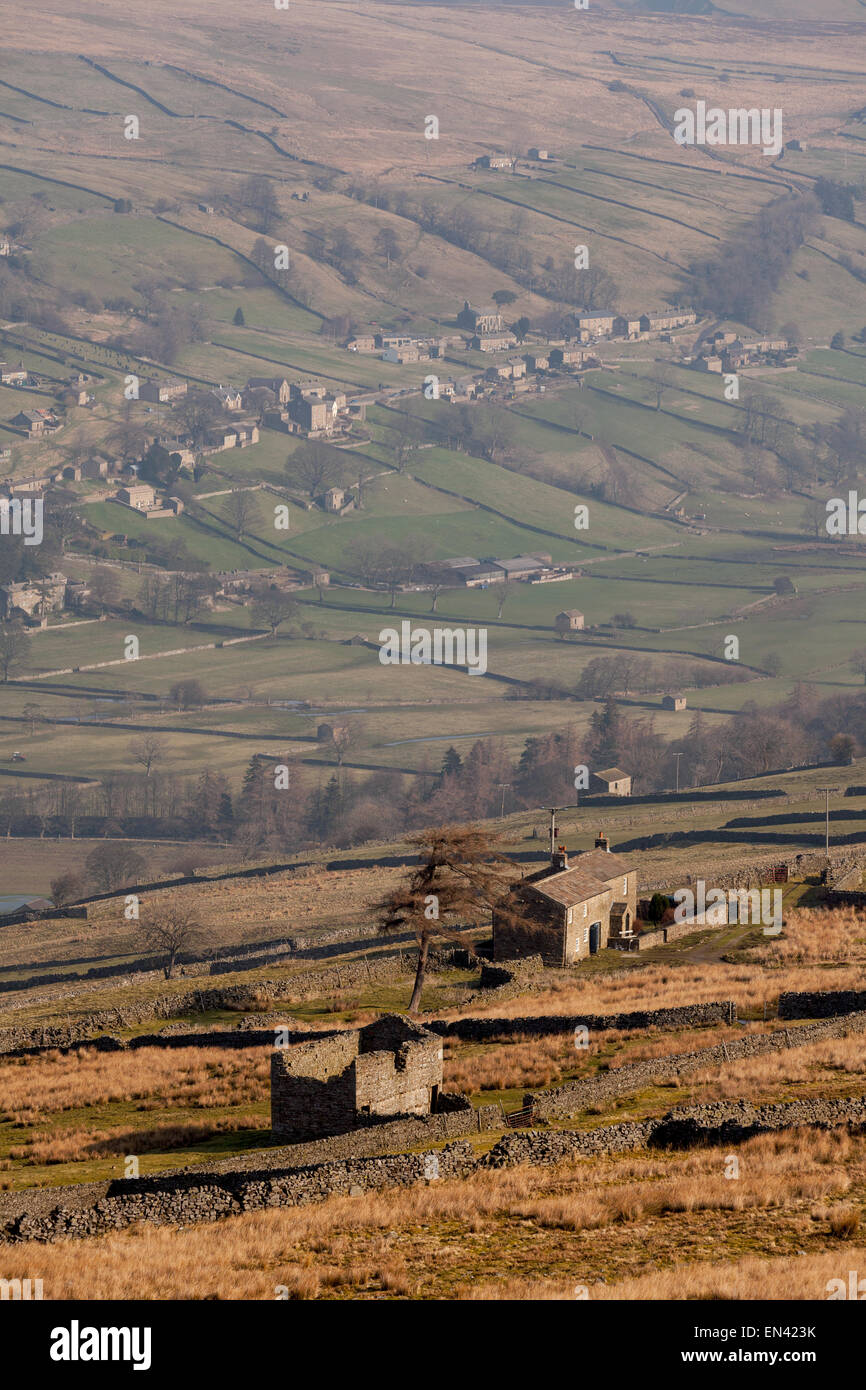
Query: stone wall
[821, 1003]
[551, 1025]
[576, 1096]
[313, 1086]
[182, 1198]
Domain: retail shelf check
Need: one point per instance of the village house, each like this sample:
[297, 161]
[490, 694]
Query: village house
[492, 342]
[674, 702]
[406, 352]
[662, 322]
[276, 384]
[139, 496]
[567, 357]
[535, 153]
[229, 398]
[479, 321]
[569, 620]
[365, 342]
[5, 246]
[625, 326]
[537, 361]
[611, 781]
[336, 1083]
[36, 424]
[14, 376]
[568, 910]
[594, 326]
[161, 392]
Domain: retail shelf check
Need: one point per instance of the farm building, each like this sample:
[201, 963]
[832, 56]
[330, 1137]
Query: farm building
[337, 1083]
[568, 910]
[569, 620]
[612, 781]
[674, 702]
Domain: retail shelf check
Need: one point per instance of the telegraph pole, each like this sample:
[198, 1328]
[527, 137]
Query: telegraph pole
[678, 756]
[504, 786]
[827, 791]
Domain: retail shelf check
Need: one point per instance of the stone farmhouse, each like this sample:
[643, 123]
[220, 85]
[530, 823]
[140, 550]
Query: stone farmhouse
[568, 910]
[337, 1083]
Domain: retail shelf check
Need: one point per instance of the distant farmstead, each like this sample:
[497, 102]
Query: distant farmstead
[569, 620]
[611, 781]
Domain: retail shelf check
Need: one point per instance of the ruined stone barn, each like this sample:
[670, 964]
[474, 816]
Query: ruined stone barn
[567, 910]
[337, 1083]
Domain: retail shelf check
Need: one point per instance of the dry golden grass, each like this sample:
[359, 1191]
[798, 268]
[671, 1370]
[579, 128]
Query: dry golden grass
[810, 936]
[34, 1087]
[74, 1145]
[624, 1219]
[657, 986]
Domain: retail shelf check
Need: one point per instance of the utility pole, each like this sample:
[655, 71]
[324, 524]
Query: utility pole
[678, 756]
[553, 810]
[827, 791]
[505, 786]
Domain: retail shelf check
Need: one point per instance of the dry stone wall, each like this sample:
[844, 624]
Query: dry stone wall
[551, 1025]
[181, 1198]
[575, 1096]
[821, 1003]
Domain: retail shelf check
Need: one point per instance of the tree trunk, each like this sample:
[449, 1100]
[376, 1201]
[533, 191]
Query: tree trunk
[423, 950]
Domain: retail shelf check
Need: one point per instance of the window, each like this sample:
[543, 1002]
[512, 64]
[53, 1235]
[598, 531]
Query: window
[625, 885]
[586, 935]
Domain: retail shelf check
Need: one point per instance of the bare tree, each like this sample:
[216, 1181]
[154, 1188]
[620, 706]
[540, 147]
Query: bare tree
[148, 750]
[14, 649]
[168, 929]
[241, 509]
[461, 876]
[272, 607]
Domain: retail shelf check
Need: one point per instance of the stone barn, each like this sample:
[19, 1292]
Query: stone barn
[337, 1083]
[674, 702]
[611, 781]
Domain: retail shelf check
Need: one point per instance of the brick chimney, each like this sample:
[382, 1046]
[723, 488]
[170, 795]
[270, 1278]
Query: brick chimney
[601, 842]
[559, 858]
